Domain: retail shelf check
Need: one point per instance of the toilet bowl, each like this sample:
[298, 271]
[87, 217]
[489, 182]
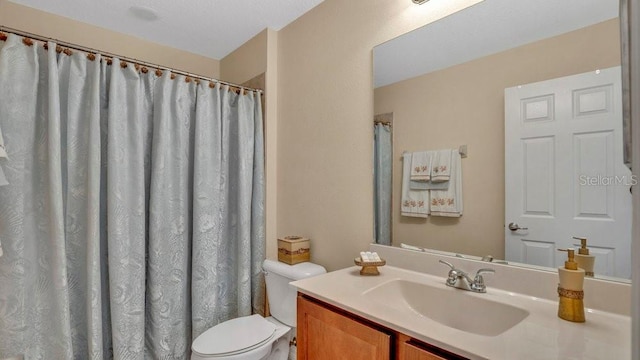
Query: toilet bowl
[255, 337]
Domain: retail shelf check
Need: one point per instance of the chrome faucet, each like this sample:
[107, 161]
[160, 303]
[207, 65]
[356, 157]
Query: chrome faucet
[461, 280]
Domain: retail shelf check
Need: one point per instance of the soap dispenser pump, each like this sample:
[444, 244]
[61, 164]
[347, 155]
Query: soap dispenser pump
[584, 260]
[570, 290]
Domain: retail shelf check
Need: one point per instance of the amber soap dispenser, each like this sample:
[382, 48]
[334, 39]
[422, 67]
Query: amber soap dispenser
[570, 289]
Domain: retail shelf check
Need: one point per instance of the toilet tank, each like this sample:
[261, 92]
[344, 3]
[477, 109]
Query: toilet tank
[282, 296]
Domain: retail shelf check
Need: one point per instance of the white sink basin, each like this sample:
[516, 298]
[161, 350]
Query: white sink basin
[451, 307]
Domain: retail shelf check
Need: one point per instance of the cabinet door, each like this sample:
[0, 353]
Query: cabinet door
[412, 352]
[411, 349]
[327, 335]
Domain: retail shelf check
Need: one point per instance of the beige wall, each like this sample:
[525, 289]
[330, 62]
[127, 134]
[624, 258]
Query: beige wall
[271, 144]
[247, 61]
[256, 58]
[64, 29]
[464, 104]
[325, 136]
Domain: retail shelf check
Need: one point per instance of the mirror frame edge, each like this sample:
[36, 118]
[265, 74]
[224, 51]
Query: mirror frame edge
[633, 27]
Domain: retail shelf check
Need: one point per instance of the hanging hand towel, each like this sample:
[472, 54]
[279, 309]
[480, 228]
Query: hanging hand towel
[415, 203]
[449, 202]
[421, 165]
[441, 166]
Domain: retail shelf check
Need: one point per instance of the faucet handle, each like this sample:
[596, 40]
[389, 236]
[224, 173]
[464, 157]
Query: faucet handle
[484, 270]
[448, 264]
[479, 280]
[452, 277]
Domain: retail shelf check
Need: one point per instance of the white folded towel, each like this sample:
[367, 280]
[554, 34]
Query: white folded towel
[421, 166]
[415, 203]
[449, 202]
[441, 166]
[411, 247]
[428, 185]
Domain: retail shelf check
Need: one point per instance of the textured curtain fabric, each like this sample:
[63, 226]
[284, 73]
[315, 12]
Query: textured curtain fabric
[134, 218]
[382, 183]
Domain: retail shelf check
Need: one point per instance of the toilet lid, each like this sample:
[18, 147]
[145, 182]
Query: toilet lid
[234, 336]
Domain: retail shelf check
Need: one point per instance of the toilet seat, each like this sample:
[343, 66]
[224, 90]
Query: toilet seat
[235, 336]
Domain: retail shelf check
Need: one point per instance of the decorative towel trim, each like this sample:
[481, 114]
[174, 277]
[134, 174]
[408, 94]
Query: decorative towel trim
[421, 166]
[571, 294]
[440, 169]
[448, 202]
[441, 166]
[443, 201]
[414, 214]
[415, 208]
[446, 214]
[295, 252]
[414, 203]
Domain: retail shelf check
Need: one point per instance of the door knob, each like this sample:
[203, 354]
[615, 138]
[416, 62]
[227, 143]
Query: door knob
[516, 227]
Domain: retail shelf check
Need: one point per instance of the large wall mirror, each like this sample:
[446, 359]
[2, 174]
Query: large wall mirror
[533, 90]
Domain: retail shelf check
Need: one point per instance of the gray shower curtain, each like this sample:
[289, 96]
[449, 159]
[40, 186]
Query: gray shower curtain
[133, 219]
[382, 169]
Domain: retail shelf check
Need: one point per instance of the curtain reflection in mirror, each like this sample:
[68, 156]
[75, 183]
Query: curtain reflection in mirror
[382, 181]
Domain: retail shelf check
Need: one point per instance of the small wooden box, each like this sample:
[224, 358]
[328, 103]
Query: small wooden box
[293, 250]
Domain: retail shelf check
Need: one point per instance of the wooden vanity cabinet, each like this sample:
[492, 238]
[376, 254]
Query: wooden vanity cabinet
[325, 332]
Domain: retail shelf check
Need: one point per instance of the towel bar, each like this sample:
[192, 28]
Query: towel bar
[462, 149]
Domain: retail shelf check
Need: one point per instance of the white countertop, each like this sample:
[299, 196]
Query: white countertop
[541, 335]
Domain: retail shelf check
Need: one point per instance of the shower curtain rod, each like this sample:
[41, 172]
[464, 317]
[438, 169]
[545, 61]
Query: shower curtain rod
[110, 56]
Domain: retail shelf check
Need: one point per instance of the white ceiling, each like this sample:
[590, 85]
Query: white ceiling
[486, 28]
[213, 28]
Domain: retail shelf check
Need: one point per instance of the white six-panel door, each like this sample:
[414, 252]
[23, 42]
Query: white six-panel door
[564, 171]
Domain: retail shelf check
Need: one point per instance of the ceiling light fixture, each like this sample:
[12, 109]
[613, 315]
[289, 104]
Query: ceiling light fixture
[143, 13]
[419, 2]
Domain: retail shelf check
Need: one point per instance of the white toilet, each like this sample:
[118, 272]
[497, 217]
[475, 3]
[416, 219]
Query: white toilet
[255, 337]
